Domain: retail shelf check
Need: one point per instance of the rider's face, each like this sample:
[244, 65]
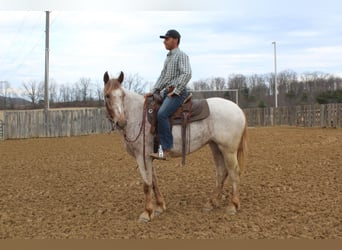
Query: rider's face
[170, 43]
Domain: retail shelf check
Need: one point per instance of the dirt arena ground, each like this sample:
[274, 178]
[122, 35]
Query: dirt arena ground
[89, 188]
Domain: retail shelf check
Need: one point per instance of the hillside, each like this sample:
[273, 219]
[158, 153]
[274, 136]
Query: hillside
[10, 102]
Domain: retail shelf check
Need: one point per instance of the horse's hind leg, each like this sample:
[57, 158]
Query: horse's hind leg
[221, 176]
[160, 203]
[232, 165]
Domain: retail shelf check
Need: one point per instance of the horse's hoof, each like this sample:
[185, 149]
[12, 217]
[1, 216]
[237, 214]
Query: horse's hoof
[159, 210]
[208, 207]
[231, 210]
[145, 218]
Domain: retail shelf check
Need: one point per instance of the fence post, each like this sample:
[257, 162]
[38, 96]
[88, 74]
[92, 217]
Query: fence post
[323, 116]
[339, 115]
[2, 125]
[1, 130]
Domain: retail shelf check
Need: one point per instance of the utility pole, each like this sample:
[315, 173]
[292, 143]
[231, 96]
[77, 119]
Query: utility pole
[47, 34]
[46, 86]
[275, 76]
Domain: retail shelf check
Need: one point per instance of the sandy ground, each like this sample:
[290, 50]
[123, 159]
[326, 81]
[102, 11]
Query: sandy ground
[89, 188]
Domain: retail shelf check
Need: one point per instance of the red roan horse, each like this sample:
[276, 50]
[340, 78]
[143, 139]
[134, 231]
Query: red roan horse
[224, 130]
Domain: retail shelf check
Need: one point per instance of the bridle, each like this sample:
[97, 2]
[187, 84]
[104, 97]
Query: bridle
[141, 130]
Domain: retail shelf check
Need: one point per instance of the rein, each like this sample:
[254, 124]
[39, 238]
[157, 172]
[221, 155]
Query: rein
[141, 130]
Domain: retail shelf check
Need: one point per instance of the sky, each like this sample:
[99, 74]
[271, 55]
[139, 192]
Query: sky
[221, 37]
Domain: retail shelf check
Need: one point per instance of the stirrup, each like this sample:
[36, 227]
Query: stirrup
[155, 156]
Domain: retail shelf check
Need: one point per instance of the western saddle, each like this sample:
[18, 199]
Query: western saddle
[189, 111]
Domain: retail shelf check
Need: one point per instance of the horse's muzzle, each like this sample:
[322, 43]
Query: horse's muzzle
[121, 124]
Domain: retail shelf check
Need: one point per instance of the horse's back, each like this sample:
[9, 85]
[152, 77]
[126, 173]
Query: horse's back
[227, 108]
[227, 120]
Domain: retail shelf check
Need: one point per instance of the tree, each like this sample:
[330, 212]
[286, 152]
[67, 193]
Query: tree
[330, 97]
[64, 93]
[218, 83]
[135, 83]
[287, 80]
[4, 93]
[34, 91]
[201, 85]
[99, 93]
[76, 94]
[84, 86]
[258, 88]
[237, 81]
[53, 91]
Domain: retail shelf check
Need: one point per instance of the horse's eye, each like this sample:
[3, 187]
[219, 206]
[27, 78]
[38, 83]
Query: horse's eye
[107, 96]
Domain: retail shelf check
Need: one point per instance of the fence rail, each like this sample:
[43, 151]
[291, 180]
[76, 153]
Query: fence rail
[73, 122]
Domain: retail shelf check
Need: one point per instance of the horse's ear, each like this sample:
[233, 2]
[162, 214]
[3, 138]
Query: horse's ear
[105, 77]
[121, 77]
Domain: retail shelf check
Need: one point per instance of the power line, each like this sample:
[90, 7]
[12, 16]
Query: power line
[18, 42]
[14, 38]
[21, 57]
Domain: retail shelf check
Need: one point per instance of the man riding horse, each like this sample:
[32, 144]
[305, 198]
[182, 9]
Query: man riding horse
[171, 84]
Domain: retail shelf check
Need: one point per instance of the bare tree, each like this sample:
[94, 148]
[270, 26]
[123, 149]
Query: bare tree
[99, 93]
[64, 93]
[258, 87]
[4, 93]
[53, 91]
[84, 85]
[76, 94]
[201, 85]
[34, 91]
[217, 83]
[135, 83]
[237, 81]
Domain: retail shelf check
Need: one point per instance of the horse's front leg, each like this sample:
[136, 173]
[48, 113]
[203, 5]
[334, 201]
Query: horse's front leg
[148, 214]
[151, 186]
[145, 167]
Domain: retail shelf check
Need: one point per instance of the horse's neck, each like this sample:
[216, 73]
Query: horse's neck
[134, 104]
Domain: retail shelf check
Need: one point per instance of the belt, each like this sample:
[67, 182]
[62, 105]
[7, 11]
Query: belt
[170, 89]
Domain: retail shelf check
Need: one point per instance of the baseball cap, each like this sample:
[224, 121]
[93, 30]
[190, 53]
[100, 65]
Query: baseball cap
[171, 33]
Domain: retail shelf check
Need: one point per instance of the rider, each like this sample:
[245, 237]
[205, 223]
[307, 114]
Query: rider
[172, 83]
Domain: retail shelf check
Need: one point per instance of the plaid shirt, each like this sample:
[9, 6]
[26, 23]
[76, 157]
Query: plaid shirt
[176, 72]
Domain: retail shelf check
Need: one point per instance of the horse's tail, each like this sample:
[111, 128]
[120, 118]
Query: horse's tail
[242, 150]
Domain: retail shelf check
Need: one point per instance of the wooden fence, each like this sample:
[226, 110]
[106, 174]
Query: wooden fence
[329, 115]
[60, 122]
[73, 122]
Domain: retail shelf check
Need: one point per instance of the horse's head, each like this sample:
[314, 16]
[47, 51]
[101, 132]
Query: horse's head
[114, 100]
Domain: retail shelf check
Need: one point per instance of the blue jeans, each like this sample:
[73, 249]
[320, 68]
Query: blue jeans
[169, 106]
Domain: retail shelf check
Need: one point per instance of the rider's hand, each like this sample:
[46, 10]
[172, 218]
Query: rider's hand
[148, 95]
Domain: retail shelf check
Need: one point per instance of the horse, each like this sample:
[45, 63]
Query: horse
[225, 130]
